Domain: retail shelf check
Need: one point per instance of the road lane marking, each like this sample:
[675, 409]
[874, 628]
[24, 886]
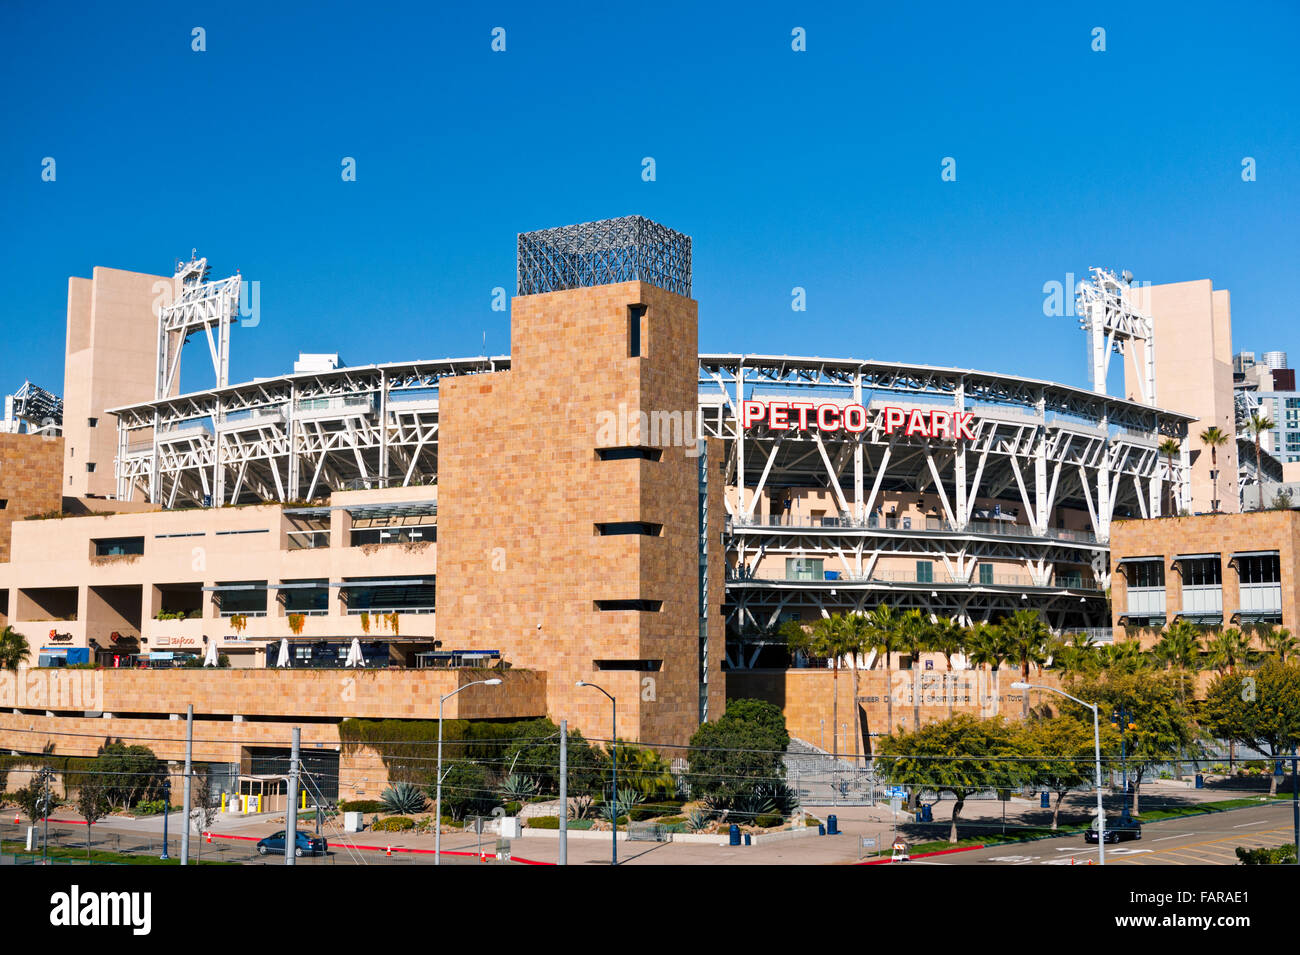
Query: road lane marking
[1245, 824]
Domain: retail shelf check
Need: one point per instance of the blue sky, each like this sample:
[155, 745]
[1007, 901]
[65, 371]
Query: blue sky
[818, 169]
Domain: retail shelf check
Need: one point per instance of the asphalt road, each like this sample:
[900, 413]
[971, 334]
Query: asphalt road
[1209, 839]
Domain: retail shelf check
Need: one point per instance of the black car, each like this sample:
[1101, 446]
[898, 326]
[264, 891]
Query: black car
[1123, 828]
[307, 845]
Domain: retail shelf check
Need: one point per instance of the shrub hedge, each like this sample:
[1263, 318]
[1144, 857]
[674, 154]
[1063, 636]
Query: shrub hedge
[394, 824]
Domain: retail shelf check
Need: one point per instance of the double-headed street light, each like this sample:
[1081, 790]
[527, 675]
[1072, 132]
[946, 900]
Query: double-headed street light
[613, 736]
[437, 822]
[1096, 744]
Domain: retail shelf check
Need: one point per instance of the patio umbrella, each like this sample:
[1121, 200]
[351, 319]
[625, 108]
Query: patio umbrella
[283, 659]
[354, 654]
[210, 658]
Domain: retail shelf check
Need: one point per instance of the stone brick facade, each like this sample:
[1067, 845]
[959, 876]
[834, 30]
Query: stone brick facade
[31, 468]
[521, 564]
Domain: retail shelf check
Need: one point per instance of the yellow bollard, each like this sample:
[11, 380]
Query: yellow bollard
[304, 799]
[223, 802]
[259, 802]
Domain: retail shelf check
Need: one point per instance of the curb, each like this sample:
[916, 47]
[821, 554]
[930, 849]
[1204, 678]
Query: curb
[366, 848]
[925, 855]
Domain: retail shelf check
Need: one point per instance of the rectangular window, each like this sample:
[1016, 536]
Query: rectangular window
[4, 502]
[1146, 573]
[1202, 572]
[649, 666]
[93, 422]
[625, 454]
[649, 606]
[924, 572]
[118, 546]
[634, 315]
[805, 568]
[986, 573]
[90, 467]
[620, 528]
[1264, 569]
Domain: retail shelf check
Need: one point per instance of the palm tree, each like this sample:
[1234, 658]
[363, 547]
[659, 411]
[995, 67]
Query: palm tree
[948, 638]
[987, 646]
[914, 639]
[1258, 424]
[883, 626]
[1226, 649]
[1214, 438]
[857, 639]
[1281, 642]
[1169, 447]
[1179, 649]
[1075, 654]
[827, 638]
[1027, 640]
[14, 649]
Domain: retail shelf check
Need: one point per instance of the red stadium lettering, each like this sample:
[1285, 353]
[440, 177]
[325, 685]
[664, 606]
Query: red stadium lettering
[855, 419]
[752, 412]
[803, 407]
[776, 415]
[828, 417]
[916, 424]
[964, 430]
[893, 418]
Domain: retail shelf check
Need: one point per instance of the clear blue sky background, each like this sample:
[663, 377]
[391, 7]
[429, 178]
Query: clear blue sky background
[818, 169]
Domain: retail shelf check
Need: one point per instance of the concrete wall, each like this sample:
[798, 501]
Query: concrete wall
[30, 470]
[111, 360]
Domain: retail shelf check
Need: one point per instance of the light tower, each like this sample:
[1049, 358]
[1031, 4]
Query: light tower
[196, 304]
[1112, 322]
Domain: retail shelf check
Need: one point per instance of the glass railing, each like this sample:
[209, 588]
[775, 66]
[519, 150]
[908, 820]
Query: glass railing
[1006, 528]
[937, 577]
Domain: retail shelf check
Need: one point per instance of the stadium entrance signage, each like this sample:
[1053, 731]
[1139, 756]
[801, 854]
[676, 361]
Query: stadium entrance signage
[804, 415]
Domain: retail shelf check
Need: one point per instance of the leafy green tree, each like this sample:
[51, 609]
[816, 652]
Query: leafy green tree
[1061, 754]
[1263, 714]
[1226, 649]
[646, 773]
[14, 650]
[1075, 654]
[1123, 656]
[466, 790]
[1161, 722]
[131, 774]
[537, 753]
[961, 756]
[738, 754]
[92, 804]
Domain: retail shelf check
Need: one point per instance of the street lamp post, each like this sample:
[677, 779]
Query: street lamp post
[437, 821]
[167, 808]
[613, 735]
[1096, 748]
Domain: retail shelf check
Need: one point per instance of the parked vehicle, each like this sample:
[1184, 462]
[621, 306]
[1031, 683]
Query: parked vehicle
[1121, 828]
[308, 845]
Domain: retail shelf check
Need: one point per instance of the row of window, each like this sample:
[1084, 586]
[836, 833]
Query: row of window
[1207, 571]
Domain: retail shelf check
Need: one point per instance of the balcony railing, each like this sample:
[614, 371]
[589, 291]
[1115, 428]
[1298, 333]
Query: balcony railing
[939, 578]
[918, 525]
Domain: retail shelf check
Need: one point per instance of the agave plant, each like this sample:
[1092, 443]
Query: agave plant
[752, 805]
[404, 799]
[623, 802]
[518, 788]
[697, 820]
[580, 807]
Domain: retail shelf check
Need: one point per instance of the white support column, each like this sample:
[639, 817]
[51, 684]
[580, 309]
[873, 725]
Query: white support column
[1041, 504]
[1185, 475]
[858, 451]
[383, 428]
[292, 440]
[959, 462]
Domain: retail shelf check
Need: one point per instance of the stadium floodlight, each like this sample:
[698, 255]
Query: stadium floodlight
[1112, 322]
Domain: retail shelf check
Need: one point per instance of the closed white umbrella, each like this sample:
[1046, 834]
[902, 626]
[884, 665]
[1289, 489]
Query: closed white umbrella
[283, 659]
[355, 659]
[210, 658]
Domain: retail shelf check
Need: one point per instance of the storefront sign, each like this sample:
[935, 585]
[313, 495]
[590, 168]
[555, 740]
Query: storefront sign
[853, 418]
[177, 643]
[56, 637]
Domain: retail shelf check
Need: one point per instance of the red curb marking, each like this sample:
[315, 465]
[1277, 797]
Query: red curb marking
[926, 855]
[351, 845]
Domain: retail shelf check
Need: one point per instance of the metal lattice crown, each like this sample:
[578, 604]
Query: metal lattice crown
[628, 249]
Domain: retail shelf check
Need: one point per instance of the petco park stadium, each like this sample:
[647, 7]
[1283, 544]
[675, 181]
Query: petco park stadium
[966, 494]
[605, 503]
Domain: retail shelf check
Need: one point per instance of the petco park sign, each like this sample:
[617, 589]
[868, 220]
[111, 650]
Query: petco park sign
[913, 422]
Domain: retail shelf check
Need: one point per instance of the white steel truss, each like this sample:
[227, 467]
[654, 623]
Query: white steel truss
[1106, 312]
[196, 305]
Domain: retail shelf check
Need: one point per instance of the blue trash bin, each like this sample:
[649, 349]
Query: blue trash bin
[747, 839]
[1044, 801]
[833, 824]
[1200, 781]
[735, 834]
[927, 814]
[821, 829]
